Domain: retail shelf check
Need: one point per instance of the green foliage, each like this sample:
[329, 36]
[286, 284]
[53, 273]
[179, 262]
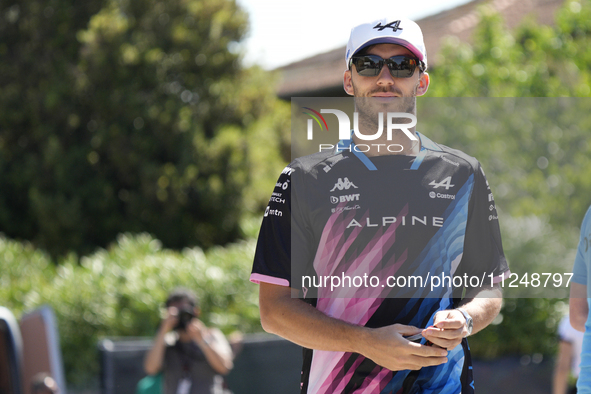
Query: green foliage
[524, 326]
[24, 270]
[532, 61]
[529, 325]
[131, 116]
[120, 291]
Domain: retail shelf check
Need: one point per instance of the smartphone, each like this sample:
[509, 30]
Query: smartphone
[415, 338]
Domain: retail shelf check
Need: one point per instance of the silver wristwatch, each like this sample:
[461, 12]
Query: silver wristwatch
[469, 321]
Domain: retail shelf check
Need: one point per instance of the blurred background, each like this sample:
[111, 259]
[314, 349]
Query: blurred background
[140, 141]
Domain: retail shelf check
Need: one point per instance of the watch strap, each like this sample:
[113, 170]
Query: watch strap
[469, 320]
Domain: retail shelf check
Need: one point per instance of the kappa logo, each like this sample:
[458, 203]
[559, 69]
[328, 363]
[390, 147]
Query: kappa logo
[395, 26]
[343, 185]
[445, 183]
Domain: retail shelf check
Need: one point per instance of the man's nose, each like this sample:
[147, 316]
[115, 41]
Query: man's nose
[384, 77]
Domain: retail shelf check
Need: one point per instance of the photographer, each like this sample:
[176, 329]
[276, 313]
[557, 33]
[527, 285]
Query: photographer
[191, 355]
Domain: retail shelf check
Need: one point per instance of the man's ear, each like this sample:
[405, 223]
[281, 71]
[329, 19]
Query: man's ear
[423, 84]
[348, 83]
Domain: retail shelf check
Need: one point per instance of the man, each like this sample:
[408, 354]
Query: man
[579, 302]
[420, 209]
[191, 355]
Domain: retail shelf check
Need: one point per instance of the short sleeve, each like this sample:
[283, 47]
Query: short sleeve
[272, 260]
[483, 249]
[286, 247]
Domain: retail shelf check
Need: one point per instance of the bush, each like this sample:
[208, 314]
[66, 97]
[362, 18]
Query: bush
[529, 325]
[119, 291]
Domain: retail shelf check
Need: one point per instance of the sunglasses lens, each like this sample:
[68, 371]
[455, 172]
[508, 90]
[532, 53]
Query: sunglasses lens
[368, 66]
[402, 66]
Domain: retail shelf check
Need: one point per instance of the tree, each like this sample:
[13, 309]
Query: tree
[128, 116]
[532, 61]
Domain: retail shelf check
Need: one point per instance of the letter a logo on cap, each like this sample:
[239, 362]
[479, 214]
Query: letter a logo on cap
[393, 25]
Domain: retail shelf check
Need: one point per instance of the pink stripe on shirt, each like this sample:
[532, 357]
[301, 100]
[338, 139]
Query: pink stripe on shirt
[258, 278]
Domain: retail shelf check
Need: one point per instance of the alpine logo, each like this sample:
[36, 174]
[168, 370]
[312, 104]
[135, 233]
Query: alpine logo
[346, 198]
[387, 220]
[343, 185]
[393, 25]
[445, 183]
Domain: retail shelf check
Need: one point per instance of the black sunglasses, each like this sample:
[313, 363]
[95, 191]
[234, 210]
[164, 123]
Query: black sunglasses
[400, 66]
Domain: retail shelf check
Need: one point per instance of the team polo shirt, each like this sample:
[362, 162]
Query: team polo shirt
[341, 214]
[581, 276]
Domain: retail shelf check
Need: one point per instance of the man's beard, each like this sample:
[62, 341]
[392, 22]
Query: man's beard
[369, 108]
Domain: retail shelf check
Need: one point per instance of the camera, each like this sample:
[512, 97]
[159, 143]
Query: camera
[185, 317]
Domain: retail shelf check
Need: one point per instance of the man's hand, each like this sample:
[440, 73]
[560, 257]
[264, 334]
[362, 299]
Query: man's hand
[389, 349]
[449, 327]
[305, 325]
[213, 344]
[197, 330]
[170, 320]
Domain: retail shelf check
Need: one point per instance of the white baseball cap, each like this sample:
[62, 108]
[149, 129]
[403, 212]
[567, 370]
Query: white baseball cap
[402, 32]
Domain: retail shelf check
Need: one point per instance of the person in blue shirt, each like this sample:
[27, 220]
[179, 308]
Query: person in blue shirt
[579, 302]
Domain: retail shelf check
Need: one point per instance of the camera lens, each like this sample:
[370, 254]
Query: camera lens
[185, 317]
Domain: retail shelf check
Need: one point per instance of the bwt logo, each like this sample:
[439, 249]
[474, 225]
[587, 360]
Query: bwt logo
[346, 198]
[345, 124]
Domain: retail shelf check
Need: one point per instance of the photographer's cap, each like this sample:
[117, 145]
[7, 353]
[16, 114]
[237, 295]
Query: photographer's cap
[402, 32]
